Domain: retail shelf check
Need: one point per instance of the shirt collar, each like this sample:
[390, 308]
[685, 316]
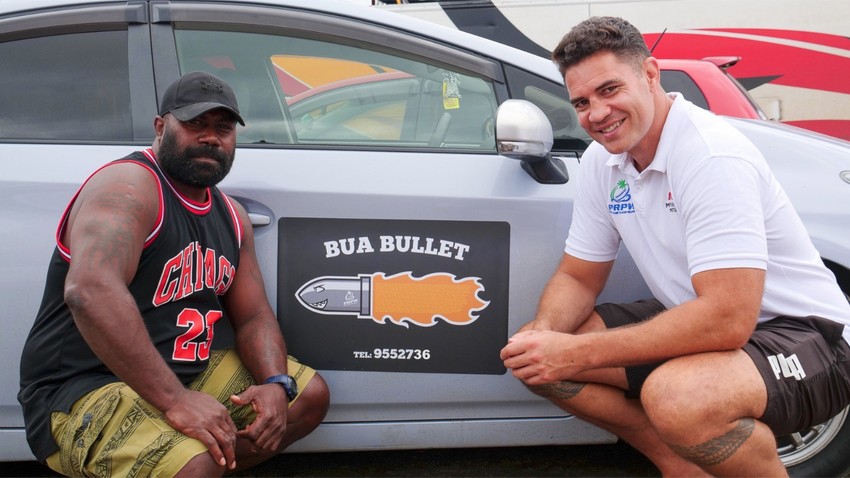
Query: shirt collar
[659, 162]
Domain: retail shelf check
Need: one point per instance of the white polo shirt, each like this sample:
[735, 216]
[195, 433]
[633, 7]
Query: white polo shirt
[707, 201]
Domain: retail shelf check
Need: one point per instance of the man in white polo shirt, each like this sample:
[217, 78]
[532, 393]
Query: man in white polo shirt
[745, 336]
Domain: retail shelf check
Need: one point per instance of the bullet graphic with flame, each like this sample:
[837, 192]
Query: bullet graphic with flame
[400, 298]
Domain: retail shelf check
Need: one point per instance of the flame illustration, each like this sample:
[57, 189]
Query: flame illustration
[403, 298]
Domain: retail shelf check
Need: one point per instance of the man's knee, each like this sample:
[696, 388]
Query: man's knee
[201, 465]
[316, 401]
[677, 403]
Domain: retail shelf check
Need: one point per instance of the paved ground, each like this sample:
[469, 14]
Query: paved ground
[553, 461]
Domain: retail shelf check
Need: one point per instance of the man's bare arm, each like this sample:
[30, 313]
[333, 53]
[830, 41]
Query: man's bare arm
[722, 317]
[570, 294]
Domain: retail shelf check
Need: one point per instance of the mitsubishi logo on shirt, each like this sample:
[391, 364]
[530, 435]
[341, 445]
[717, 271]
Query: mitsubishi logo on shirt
[669, 204]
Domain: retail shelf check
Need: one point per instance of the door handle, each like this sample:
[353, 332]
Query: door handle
[259, 220]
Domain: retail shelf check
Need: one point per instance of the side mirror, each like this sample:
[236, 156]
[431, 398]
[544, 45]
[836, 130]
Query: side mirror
[524, 133]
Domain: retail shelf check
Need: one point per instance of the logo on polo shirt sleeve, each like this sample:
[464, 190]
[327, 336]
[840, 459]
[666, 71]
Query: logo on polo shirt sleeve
[621, 199]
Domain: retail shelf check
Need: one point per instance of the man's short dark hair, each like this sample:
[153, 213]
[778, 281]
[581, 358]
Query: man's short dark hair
[598, 34]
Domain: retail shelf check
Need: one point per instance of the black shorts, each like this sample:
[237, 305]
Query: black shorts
[804, 362]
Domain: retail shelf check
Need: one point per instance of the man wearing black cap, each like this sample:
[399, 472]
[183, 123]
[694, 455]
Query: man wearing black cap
[117, 375]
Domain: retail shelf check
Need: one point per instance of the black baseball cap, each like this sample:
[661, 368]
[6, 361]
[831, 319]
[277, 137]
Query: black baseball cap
[196, 93]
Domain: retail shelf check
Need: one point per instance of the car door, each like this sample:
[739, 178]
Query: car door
[399, 249]
[71, 88]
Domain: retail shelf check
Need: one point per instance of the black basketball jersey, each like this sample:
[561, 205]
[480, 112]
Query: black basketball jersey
[188, 263]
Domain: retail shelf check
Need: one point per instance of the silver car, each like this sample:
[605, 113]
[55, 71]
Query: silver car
[399, 248]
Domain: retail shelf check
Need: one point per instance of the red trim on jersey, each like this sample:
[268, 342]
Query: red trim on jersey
[199, 208]
[237, 221]
[196, 207]
[65, 251]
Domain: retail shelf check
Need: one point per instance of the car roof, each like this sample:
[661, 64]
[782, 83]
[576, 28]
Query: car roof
[346, 8]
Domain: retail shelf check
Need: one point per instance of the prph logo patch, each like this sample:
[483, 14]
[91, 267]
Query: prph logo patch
[621, 199]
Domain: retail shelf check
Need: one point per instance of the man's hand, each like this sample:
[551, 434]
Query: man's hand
[271, 405]
[200, 416]
[541, 356]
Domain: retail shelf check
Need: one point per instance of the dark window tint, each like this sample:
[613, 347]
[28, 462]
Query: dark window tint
[674, 80]
[66, 87]
[554, 101]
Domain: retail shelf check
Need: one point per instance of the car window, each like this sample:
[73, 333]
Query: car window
[553, 100]
[314, 92]
[66, 87]
[675, 80]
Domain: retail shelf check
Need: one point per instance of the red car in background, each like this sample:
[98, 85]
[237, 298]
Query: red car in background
[707, 83]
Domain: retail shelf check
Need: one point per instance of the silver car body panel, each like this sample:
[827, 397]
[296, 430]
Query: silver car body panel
[370, 410]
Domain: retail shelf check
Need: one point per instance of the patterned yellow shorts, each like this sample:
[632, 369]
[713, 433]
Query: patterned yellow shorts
[112, 432]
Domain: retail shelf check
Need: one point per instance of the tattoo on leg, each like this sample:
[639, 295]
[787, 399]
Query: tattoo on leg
[717, 450]
[562, 390]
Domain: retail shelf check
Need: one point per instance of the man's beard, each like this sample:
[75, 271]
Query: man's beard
[178, 165]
